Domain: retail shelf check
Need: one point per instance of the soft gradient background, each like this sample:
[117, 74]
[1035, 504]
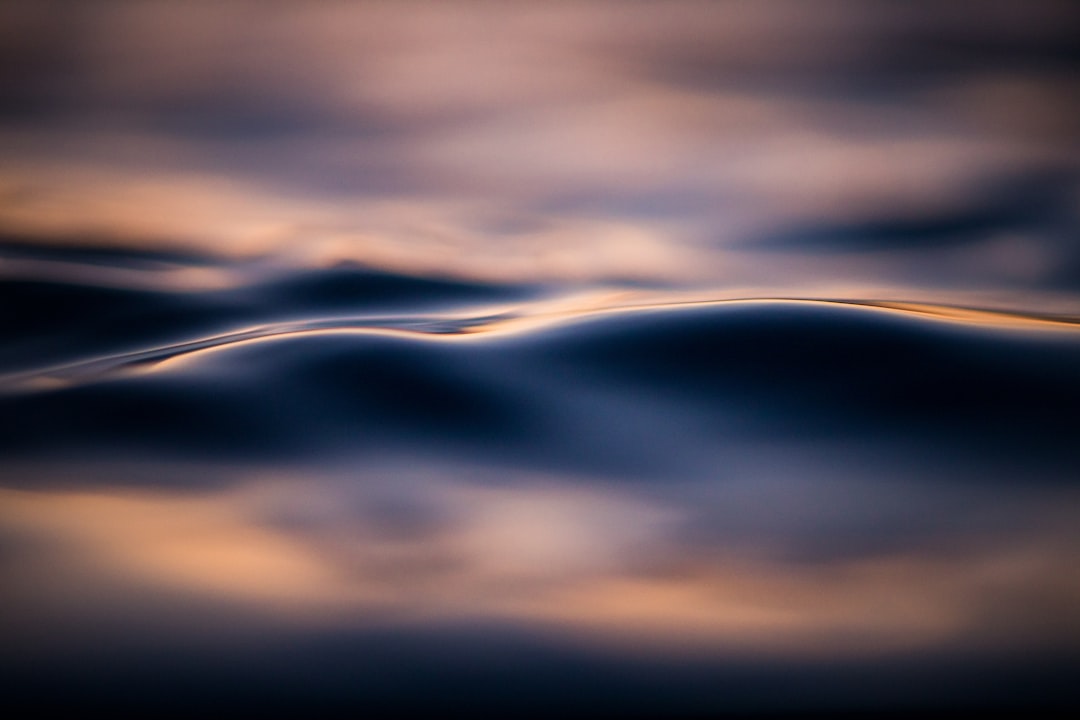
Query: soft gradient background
[568, 357]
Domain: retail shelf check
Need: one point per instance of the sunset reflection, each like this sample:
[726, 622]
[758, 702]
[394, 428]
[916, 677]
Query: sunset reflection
[615, 567]
[555, 358]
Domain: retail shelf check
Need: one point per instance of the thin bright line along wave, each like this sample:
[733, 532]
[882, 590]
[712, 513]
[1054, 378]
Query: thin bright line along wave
[495, 322]
[567, 359]
[635, 481]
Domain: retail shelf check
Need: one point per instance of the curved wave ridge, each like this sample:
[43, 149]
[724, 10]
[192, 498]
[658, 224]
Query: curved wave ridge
[338, 362]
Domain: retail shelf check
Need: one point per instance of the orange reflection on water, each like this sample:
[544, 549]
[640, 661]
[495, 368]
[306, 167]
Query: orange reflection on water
[599, 566]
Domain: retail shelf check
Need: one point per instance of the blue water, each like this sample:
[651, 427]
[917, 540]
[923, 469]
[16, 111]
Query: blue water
[338, 487]
[599, 359]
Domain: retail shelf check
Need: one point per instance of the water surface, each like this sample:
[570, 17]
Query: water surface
[571, 360]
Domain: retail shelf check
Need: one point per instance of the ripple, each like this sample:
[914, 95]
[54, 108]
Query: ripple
[627, 385]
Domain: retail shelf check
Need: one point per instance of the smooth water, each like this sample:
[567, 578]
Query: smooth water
[600, 358]
[331, 486]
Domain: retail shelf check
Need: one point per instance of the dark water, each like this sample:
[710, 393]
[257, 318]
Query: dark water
[315, 490]
[599, 358]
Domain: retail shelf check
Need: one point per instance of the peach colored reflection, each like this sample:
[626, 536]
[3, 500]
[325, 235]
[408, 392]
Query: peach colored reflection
[598, 566]
[237, 218]
[587, 124]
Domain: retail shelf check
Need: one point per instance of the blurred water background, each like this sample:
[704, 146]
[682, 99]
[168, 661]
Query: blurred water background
[576, 358]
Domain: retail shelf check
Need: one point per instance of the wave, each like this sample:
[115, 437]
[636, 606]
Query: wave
[281, 478]
[350, 362]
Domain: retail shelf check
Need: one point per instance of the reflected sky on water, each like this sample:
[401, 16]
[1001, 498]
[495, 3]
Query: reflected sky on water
[557, 357]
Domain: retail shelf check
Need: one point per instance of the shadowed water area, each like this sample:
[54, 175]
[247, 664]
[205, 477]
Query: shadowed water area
[593, 359]
[460, 475]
